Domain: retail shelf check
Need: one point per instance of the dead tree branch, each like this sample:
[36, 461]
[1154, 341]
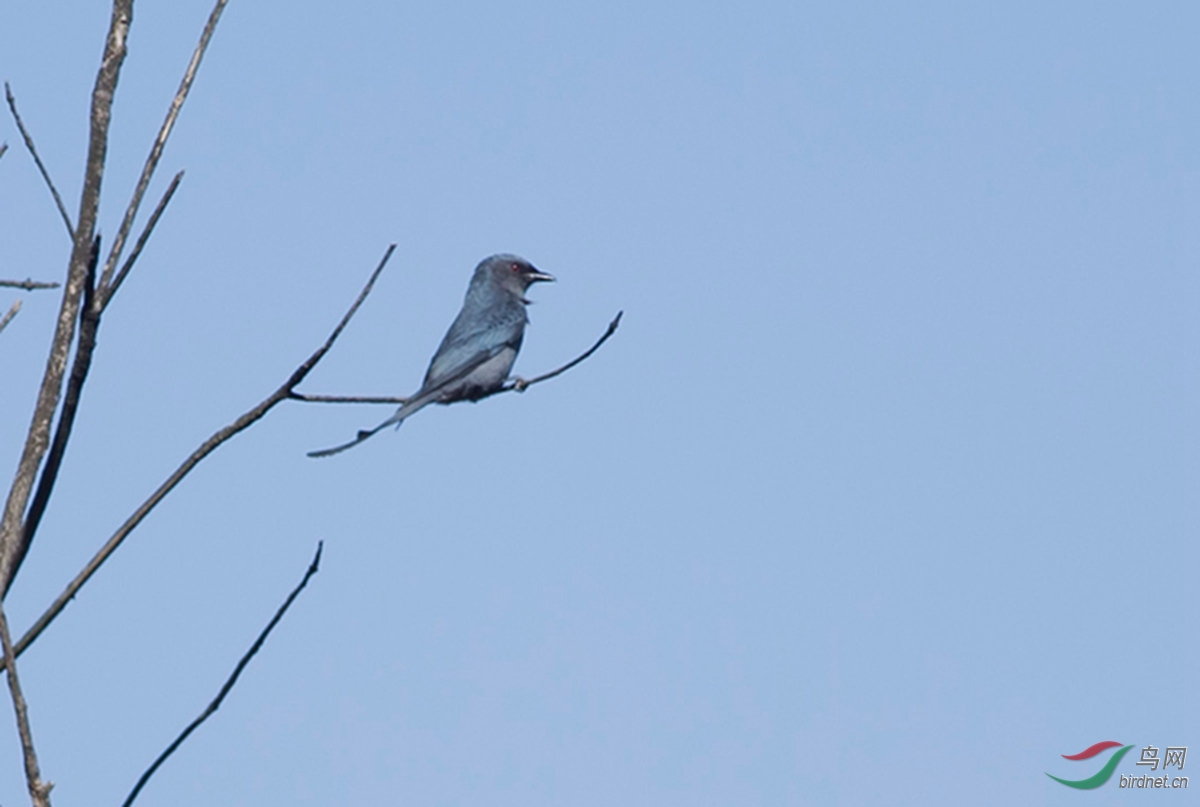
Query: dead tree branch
[209, 445]
[99, 294]
[93, 308]
[229, 683]
[160, 142]
[38, 438]
[39, 791]
[12, 312]
[90, 322]
[62, 209]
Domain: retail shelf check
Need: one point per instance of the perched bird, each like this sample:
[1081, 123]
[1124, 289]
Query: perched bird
[478, 351]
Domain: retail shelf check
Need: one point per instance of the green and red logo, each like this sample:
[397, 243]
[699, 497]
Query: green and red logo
[1101, 776]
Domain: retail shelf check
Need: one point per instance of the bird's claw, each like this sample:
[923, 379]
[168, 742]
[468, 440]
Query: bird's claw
[519, 384]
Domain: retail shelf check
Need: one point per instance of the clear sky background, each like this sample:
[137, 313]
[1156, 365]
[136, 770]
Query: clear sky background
[884, 492]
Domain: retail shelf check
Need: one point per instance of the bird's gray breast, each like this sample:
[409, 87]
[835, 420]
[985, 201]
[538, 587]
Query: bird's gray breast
[484, 379]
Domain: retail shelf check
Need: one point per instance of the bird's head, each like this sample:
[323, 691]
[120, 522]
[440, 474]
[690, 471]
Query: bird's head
[512, 273]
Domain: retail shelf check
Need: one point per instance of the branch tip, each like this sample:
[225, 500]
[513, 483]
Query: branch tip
[229, 683]
[522, 384]
[37, 160]
[160, 143]
[110, 290]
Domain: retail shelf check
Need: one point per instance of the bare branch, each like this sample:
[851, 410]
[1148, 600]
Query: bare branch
[39, 791]
[93, 307]
[3, 148]
[12, 312]
[90, 316]
[520, 384]
[156, 150]
[62, 210]
[37, 440]
[367, 399]
[229, 683]
[209, 445]
[28, 284]
[104, 299]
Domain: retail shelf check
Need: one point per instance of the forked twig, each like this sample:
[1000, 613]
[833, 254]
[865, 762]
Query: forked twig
[98, 295]
[237, 671]
[104, 299]
[160, 142]
[96, 299]
[209, 445]
[94, 304]
[38, 437]
[62, 209]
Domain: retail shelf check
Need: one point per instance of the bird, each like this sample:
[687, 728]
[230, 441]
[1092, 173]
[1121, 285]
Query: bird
[477, 353]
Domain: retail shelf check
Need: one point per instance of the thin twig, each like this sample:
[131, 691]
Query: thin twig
[3, 148]
[12, 312]
[367, 399]
[191, 462]
[39, 791]
[29, 285]
[103, 300]
[229, 683]
[520, 384]
[38, 438]
[156, 150]
[90, 324]
[62, 210]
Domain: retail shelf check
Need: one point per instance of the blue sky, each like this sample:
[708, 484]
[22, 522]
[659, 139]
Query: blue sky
[885, 490]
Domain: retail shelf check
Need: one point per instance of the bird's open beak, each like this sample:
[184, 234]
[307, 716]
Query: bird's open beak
[535, 276]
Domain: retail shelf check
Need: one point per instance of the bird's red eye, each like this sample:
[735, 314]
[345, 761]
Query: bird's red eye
[515, 267]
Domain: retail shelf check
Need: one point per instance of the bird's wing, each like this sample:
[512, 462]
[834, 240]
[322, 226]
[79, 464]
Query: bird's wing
[424, 396]
[475, 332]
